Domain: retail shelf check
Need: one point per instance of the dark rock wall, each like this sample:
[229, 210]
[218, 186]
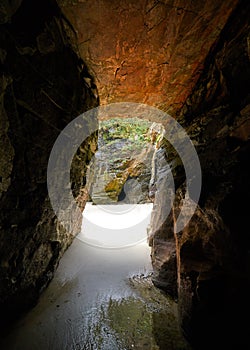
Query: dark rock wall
[42, 89]
[212, 252]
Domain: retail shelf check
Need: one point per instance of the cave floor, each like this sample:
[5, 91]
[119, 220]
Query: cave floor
[100, 299]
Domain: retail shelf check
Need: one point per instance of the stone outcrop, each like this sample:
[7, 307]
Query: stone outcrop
[120, 173]
[42, 88]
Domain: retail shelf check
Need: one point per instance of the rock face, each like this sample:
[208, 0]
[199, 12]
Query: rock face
[120, 171]
[212, 252]
[160, 230]
[121, 175]
[42, 89]
[147, 51]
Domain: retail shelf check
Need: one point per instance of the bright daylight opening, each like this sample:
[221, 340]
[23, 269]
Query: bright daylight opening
[106, 227]
[119, 179]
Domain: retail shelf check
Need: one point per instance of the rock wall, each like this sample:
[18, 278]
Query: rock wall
[160, 231]
[42, 88]
[212, 252]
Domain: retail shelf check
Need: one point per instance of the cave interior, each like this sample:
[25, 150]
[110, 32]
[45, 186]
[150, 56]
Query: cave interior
[190, 59]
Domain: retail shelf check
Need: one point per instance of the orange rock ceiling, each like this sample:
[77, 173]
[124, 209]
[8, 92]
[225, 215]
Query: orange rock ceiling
[146, 51]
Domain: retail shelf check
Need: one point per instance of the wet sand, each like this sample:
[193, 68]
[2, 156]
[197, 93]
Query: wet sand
[100, 299]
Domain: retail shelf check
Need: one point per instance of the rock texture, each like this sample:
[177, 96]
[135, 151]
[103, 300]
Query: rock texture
[212, 252]
[120, 171]
[42, 88]
[160, 231]
[147, 51]
[120, 175]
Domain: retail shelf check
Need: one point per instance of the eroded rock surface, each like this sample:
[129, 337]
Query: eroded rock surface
[42, 89]
[120, 171]
[212, 252]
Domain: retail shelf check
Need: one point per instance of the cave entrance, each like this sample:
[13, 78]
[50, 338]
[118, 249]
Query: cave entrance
[119, 178]
[105, 298]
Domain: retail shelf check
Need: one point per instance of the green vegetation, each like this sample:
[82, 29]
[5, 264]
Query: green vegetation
[131, 129]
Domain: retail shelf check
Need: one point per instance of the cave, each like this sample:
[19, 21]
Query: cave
[66, 64]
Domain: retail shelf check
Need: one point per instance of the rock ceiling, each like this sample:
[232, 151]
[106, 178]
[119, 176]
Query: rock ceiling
[146, 51]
